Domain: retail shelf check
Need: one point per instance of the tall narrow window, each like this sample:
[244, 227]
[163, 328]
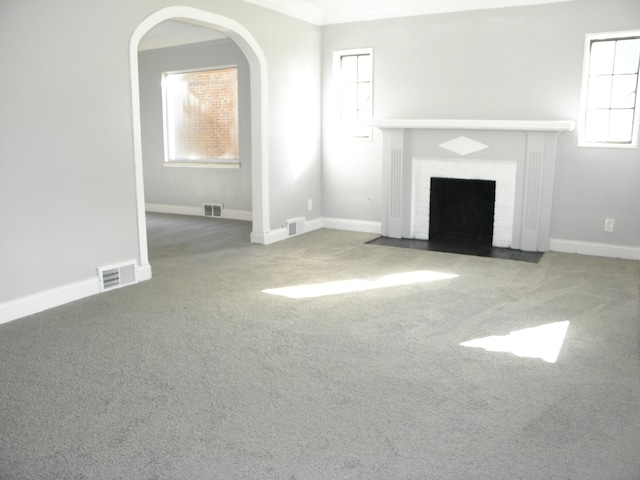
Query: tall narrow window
[609, 91]
[201, 115]
[354, 75]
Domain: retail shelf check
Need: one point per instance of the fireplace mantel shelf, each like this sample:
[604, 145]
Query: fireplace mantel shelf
[458, 124]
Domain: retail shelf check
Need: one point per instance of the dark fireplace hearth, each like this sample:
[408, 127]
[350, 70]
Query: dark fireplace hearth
[462, 211]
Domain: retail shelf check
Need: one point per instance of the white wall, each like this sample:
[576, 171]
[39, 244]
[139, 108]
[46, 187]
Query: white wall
[522, 63]
[67, 179]
[186, 189]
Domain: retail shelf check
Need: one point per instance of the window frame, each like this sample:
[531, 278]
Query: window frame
[203, 162]
[582, 124]
[348, 130]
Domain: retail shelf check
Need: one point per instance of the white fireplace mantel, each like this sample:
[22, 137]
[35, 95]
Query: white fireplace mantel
[534, 171]
[463, 124]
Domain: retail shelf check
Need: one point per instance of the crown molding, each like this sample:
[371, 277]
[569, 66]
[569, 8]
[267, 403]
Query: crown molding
[360, 11]
[410, 8]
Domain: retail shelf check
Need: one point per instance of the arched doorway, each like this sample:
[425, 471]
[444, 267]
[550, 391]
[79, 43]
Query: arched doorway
[259, 113]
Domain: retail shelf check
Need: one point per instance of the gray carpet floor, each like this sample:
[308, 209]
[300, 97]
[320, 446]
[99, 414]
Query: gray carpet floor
[200, 374]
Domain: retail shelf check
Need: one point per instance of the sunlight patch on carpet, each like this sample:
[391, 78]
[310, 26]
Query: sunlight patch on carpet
[542, 342]
[357, 285]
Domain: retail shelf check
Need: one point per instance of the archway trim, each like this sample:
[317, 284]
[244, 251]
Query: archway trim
[259, 116]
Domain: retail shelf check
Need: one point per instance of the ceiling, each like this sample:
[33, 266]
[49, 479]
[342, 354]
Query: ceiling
[172, 33]
[326, 12]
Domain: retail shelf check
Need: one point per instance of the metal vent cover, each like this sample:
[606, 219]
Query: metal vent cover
[212, 210]
[115, 276]
[295, 226]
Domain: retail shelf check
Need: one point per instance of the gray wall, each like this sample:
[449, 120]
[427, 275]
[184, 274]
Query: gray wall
[67, 185]
[191, 187]
[520, 63]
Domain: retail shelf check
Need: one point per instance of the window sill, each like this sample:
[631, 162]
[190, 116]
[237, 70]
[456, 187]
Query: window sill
[608, 145]
[209, 164]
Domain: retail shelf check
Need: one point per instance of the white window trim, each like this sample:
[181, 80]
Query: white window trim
[582, 142]
[204, 162]
[337, 81]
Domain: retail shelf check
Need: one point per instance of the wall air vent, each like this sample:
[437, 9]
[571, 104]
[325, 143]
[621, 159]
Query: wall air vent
[212, 210]
[295, 226]
[115, 276]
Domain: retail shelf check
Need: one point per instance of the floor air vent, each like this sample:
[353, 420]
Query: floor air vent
[212, 210]
[295, 226]
[115, 276]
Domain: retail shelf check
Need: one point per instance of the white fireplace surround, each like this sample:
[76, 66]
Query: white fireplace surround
[523, 169]
[503, 173]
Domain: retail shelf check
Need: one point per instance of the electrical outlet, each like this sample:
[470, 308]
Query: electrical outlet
[309, 205]
[609, 223]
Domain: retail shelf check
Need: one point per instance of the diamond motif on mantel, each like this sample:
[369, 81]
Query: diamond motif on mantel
[463, 146]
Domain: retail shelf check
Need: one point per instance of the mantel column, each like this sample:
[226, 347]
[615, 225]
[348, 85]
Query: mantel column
[540, 164]
[392, 170]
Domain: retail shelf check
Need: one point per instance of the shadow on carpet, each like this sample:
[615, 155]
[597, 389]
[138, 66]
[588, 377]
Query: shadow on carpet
[460, 248]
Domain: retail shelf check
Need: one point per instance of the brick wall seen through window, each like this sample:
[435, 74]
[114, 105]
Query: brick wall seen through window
[201, 115]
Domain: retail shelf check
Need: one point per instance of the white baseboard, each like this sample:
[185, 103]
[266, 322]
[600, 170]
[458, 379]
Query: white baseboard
[272, 236]
[237, 215]
[316, 224]
[595, 249]
[197, 211]
[41, 301]
[362, 226]
[143, 273]
[282, 233]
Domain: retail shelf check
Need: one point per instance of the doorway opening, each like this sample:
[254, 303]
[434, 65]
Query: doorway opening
[259, 114]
